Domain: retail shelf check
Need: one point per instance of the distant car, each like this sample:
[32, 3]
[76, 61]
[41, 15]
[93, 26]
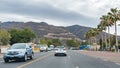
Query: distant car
[19, 51]
[74, 48]
[60, 52]
[43, 48]
[49, 49]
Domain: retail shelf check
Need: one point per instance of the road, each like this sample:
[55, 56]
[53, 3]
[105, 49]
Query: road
[74, 59]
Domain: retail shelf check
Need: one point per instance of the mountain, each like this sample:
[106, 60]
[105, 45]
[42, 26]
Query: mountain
[40, 28]
[43, 29]
[78, 30]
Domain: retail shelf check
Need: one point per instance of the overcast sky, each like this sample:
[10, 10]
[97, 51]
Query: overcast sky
[57, 12]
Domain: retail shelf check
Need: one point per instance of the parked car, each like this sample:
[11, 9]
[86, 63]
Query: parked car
[60, 51]
[19, 51]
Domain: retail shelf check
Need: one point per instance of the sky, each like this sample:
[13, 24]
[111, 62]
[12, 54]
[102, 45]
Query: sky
[58, 12]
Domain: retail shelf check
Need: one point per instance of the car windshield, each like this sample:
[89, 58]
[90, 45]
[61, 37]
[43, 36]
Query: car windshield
[60, 47]
[18, 46]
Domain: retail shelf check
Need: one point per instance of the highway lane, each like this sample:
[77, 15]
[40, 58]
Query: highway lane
[15, 64]
[73, 60]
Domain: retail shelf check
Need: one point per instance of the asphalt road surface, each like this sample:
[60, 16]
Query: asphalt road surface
[74, 59]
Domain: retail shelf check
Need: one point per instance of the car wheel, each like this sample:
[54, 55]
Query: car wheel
[6, 60]
[25, 58]
[55, 54]
[65, 55]
[31, 57]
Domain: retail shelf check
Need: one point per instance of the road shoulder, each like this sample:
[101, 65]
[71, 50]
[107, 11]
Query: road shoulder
[106, 56]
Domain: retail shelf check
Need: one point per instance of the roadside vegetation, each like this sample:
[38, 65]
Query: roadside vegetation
[4, 37]
[58, 42]
[106, 21]
[21, 36]
[16, 36]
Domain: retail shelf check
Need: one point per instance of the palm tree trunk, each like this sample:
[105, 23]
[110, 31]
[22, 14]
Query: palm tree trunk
[116, 37]
[102, 40]
[105, 40]
[109, 37]
[96, 44]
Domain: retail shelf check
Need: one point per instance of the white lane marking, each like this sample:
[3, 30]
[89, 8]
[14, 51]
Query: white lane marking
[117, 63]
[76, 67]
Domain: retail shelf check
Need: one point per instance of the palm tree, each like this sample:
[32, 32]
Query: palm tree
[115, 15]
[87, 35]
[109, 23]
[101, 27]
[91, 34]
[95, 32]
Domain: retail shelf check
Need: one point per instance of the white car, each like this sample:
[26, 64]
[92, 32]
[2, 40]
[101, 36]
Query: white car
[60, 52]
[43, 48]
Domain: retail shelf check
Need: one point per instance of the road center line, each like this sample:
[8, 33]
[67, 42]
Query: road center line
[40, 58]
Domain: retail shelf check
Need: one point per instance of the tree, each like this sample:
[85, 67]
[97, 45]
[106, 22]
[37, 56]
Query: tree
[27, 34]
[88, 36]
[21, 36]
[46, 41]
[71, 43]
[109, 23]
[101, 27]
[56, 42]
[4, 37]
[106, 21]
[91, 34]
[115, 15]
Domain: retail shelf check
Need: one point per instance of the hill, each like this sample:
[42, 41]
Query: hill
[78, 30]
[42, 29]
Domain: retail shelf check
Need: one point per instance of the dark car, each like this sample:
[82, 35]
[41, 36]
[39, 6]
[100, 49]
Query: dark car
[19, 51]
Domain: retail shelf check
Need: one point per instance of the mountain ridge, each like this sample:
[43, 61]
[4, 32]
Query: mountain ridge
[43, 28]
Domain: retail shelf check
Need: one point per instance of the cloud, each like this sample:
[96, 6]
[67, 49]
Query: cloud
[43, 10]
[59, 12]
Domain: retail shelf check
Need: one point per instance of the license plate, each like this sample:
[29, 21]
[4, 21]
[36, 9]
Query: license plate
[11, 56]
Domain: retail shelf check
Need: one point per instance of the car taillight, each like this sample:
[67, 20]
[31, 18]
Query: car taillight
[64, 49]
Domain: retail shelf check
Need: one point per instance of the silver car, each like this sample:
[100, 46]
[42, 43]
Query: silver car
[60, 52]
[19, 51]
